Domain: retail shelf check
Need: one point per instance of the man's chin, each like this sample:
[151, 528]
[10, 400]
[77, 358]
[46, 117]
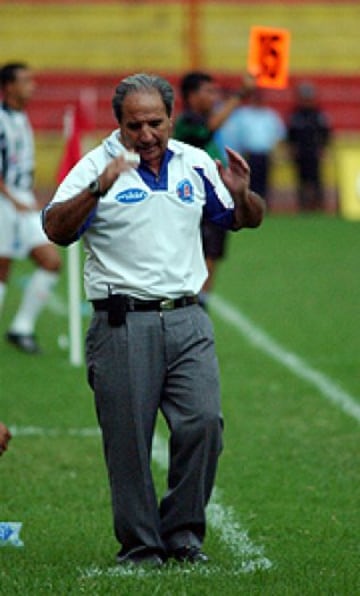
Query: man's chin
[150, 154]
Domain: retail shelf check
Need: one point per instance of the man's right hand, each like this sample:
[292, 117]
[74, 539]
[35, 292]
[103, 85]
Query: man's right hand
[113, 170]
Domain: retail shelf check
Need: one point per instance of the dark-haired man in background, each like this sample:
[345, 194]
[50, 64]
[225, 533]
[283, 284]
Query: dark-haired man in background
[21, 234]
[204, 111]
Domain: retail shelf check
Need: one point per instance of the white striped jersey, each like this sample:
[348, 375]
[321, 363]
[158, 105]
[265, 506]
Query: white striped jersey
[17, 154]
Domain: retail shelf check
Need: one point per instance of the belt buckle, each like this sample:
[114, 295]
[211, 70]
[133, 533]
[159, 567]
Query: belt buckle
[167, 304]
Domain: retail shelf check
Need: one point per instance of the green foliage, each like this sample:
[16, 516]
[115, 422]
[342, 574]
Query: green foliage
[289, 473]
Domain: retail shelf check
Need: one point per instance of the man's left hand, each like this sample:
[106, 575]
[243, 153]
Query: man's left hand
[236, 176]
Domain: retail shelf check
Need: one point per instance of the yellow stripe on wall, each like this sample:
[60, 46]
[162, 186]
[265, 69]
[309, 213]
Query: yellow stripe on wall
[106, 37]
[133, 36]
[324, 37]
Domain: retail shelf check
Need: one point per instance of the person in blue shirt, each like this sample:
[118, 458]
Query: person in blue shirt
[254, 130]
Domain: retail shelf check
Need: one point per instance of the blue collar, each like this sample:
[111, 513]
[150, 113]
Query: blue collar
[156, 181]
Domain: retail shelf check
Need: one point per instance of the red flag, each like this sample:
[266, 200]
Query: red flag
[87, 109]
[72, 149]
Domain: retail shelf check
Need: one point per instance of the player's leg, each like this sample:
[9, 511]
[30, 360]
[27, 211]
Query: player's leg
[5, 265]
[8, 240]
[37, 292]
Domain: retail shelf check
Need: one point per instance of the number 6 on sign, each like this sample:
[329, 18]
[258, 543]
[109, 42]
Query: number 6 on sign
[268, 57]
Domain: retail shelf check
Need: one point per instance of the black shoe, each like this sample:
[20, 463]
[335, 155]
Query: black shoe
[189, 554]
[147, 559]
[25, 343]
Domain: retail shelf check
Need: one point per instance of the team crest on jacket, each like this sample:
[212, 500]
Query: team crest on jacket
[131, 195]
[185, 191]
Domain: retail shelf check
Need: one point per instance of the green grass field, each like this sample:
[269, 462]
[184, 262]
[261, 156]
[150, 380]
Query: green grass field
[285, 515]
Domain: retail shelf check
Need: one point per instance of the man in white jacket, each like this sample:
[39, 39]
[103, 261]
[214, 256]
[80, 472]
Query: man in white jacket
[150, 346]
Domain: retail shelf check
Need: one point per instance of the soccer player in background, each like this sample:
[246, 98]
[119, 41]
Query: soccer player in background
[21, 234]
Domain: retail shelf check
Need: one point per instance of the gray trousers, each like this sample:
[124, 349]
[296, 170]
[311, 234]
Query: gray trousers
[157, 361]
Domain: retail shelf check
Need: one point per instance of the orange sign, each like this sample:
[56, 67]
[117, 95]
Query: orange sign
[268, 57]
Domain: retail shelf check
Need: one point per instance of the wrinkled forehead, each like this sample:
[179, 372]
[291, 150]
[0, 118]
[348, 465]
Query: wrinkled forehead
[143, 105]
[144, 98]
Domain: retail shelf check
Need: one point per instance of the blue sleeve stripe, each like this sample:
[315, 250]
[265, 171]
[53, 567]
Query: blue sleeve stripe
[214, 210]
[87, 223]
[80, 231]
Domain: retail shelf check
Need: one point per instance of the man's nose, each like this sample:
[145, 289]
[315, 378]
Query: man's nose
[146, 133]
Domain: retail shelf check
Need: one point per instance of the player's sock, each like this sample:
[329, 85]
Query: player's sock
[3, 287]
[35, 297]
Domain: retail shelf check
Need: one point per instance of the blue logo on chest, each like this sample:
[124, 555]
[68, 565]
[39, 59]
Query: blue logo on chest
[131, 195]
[185, 191]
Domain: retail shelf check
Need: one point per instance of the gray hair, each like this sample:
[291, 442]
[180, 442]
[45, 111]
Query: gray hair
[143, 82]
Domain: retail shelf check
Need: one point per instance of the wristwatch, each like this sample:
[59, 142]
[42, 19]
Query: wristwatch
[95, 190]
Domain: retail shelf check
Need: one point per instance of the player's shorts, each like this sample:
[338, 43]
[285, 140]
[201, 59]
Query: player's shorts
[20, 231]
[214, 240]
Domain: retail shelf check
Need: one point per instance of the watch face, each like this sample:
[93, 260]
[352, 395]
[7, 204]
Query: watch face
[94, 188]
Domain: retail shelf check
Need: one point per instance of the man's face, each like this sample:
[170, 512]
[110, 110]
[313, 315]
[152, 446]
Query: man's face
[22, 89]
[205, 98]
[145, 126]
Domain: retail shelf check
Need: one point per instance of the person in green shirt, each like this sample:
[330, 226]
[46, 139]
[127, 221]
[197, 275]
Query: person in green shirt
[203, 113]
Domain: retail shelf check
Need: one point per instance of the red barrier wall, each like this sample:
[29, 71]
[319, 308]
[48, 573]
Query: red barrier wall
[339, 96]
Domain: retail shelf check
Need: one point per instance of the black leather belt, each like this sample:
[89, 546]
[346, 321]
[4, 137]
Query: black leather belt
[134, 304]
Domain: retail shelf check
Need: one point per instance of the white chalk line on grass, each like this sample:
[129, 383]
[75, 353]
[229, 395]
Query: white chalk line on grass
[255, 335]
[39, 431]
[247, 557]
